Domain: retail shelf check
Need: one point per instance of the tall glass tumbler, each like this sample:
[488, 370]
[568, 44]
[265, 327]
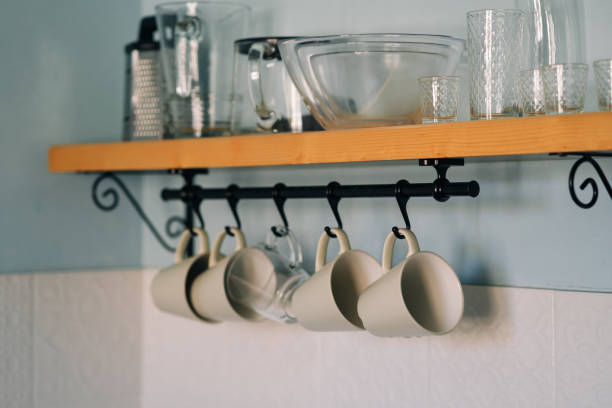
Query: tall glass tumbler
[495, 57]
[603, 77]
[197, 40]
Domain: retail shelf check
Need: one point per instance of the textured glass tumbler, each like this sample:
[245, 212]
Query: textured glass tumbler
[495, 56]
[603, 77]
[439, 98]
[532, 92]
[565, 88]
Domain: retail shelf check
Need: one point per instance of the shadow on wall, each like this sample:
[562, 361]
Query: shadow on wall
[471, 266]
[482, 311]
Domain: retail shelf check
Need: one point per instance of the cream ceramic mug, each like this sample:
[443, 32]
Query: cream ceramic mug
[170, 288]
[328, 300]
[208, 291]
[419, 296]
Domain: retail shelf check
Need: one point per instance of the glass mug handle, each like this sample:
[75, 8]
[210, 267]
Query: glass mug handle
[295, 250]
[187, 30]
[267, 117]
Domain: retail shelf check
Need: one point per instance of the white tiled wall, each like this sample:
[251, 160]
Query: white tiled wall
[583, 345]
[514, 348]
[16, 340]
[94, 339]
[70, 340]
[502, 353]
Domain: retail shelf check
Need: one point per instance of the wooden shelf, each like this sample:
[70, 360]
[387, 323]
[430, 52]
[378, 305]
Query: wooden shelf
[507, 137]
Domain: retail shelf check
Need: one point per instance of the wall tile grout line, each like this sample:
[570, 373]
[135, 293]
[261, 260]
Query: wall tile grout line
[35, 379]
[144, 288]
[554, 349]
[429, 373]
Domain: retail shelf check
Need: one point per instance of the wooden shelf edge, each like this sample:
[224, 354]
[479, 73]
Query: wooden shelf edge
[507, 137]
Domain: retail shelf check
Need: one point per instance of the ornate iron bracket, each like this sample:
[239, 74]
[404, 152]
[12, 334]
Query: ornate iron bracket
[589, 181]
[108, 200]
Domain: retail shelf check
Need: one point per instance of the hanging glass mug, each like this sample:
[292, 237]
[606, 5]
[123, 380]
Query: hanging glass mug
[195, 41]
[263, 278]
[264, 98]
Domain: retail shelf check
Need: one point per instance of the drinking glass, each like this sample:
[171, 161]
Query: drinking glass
[565, 87]
[603, 77]
[439, 98]
[196, 42]
[495, 57]
[532, 92]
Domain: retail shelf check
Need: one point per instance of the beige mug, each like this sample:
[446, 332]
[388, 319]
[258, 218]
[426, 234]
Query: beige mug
[419, 296]
[328, 300]
[170, 288]
[209, 291]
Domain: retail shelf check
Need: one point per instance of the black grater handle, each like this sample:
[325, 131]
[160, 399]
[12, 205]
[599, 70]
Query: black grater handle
[148, 26]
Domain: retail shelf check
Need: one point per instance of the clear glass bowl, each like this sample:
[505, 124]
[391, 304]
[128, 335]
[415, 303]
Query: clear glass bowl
[364, 80]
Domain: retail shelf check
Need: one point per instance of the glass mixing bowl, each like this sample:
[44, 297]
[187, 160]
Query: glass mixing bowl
[364, 80]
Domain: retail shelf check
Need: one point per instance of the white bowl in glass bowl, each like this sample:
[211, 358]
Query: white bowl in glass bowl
[363, 80]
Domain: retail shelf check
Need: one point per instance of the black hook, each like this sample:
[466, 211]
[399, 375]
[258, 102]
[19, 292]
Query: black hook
[230, 195]
[196, 210]
[192, 201]
[190, 197]
[402, 201]
[333, 201]
[194, 207]
[279, 200]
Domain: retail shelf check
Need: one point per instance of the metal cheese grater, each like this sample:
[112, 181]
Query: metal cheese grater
[145, 114]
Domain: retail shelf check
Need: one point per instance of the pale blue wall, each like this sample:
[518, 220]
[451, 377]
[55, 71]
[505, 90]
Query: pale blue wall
[523, 230]
[61, 81]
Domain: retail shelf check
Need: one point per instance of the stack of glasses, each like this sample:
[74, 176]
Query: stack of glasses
[521, 63]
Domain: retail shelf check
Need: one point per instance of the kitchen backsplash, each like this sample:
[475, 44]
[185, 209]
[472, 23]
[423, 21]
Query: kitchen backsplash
[95, 339]
[514, 348]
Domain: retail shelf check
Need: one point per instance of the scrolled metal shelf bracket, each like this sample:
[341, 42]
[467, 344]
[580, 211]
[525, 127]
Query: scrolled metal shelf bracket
[108, 200]
[589, 181]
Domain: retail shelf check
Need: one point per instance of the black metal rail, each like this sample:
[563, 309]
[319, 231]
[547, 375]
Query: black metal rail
[192, 195]
[448, 190]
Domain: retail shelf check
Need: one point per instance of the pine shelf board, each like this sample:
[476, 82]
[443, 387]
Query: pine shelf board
[507, 137]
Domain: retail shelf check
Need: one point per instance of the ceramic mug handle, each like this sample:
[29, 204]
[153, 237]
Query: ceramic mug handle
[343, 240]
[179, 255]
[215, 255]
[411, 240]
